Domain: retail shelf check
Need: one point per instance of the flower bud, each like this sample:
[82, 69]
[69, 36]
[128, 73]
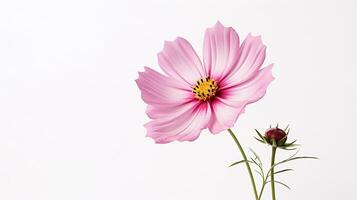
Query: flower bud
[276, 134]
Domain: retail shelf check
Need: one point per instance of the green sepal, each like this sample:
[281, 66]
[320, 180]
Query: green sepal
[260, 140]
[260, 135]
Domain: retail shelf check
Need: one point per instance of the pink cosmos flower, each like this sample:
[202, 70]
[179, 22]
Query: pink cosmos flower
[192, 95]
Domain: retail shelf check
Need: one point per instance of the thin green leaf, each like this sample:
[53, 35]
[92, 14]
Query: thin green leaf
[292, 156]
[284, 170]
[258, 163]
[291, 159]
[255, 162]
[303, 157]
[239, 162]
[256, 156]
[258, 172]
[281, 183]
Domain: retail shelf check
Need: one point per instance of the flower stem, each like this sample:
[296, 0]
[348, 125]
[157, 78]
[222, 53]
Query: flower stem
[246, 163]
[272, 181]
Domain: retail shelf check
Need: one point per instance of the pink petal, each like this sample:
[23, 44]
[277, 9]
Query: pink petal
[231, 103]
[180, 61]
[224, 115]
[251, 58]
[183, 126]
[157, 89]
[161, 111]
[175, 113]
[220, 50]
[252, 90]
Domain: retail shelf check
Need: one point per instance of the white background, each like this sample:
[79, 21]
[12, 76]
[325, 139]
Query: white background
[71, 115]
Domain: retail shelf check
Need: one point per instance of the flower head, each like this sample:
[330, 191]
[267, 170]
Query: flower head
[195, 95]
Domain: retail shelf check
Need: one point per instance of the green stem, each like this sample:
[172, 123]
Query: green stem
[263, 186]
[246, 163]
[272, 172]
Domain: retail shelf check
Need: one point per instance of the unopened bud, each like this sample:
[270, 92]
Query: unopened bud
[275, 134]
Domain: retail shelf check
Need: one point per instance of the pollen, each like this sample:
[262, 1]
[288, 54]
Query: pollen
[205, 89]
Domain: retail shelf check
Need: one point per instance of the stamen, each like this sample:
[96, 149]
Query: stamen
[205, 89]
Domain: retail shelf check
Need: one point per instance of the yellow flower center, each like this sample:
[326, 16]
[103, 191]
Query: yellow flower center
[205, 89]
